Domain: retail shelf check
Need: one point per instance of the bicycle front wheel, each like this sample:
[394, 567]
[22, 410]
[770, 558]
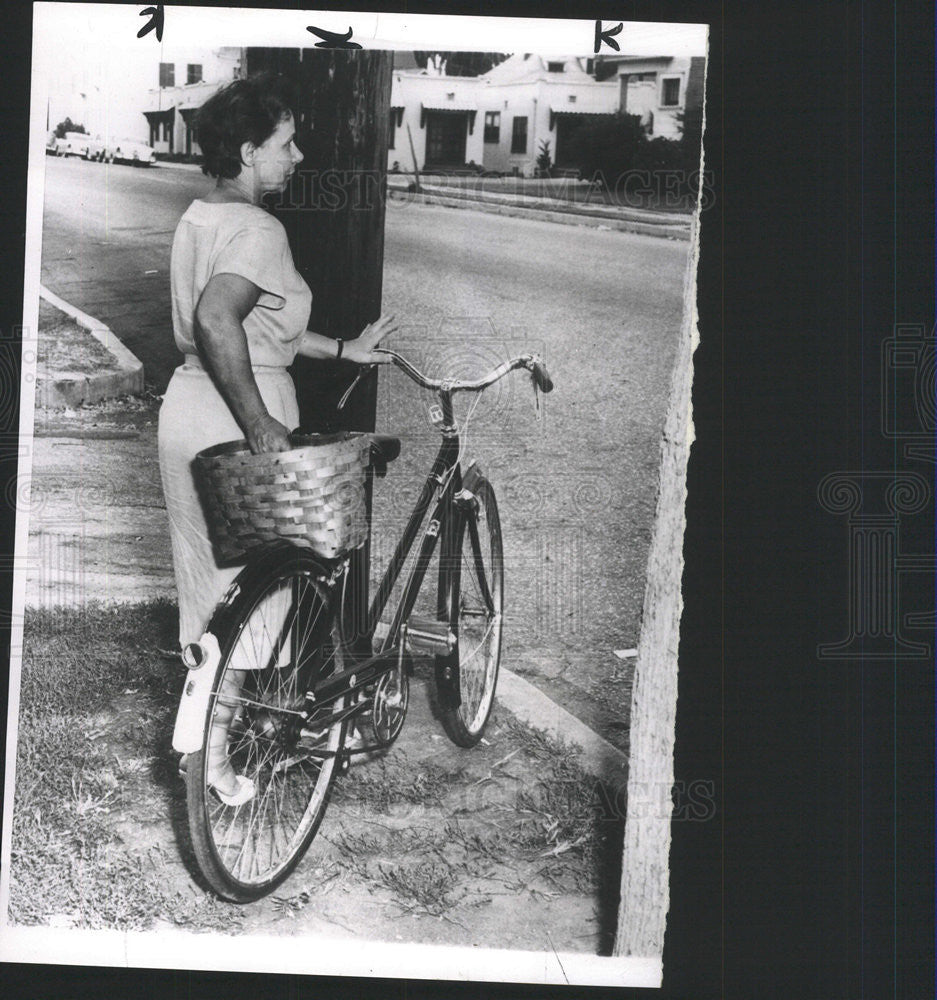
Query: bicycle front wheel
[473, 599]
[277, 637]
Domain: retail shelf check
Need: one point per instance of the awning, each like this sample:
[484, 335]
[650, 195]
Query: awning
[453, 107]
[443, 105]
[165, 114]
[580, 110]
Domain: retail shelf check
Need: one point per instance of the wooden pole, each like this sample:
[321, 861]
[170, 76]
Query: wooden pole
[334, 218]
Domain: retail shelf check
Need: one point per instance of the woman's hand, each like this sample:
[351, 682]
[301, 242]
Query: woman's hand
[361, 349]
[265, 434]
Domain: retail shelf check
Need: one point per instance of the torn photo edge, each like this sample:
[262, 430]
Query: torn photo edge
[639, 946]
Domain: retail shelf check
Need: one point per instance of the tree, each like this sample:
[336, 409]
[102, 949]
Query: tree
[463, 63]
[68, 126]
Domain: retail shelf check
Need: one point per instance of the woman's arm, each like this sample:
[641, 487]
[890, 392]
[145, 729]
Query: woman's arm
[220, 337]
[360, 350]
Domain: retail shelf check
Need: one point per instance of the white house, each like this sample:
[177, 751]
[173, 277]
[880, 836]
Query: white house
[497, 120]
[658, 88]
[186, 79]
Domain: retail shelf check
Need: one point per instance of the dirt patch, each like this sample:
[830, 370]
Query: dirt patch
[63, 347]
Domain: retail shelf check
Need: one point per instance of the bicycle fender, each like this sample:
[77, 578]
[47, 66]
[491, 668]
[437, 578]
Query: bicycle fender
[471, 477]
[255, 570]
[192, 713]
[193, 704]
[447, 679]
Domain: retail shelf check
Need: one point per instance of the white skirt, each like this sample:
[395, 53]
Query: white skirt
[194, 416]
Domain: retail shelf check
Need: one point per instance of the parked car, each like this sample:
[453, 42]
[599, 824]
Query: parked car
[72, 144]
[94, 148]
[129, 151]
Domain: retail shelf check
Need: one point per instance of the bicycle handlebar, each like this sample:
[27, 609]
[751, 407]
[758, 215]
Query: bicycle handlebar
[529, 361]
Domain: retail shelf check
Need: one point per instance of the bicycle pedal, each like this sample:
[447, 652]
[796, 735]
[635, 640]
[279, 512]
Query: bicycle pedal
[429, 635]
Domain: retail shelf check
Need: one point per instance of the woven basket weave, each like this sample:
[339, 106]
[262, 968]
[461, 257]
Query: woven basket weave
[312, 495]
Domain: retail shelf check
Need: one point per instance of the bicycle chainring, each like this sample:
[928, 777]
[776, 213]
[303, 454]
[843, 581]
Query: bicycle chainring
[391, 698]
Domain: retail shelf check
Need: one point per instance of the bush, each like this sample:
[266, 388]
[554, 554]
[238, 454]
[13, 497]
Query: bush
[659, 154]
[544, 161]
[608, 146]
[613, 147]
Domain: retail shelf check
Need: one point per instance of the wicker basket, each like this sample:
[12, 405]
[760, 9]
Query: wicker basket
[312, 495]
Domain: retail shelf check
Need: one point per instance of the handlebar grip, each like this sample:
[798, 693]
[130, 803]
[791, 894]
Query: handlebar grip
[539, 371]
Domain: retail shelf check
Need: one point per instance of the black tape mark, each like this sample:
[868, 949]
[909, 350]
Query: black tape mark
[157, 18]
[607, 36]
[331, 40]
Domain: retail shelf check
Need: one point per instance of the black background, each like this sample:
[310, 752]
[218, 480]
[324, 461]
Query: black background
[815, 878]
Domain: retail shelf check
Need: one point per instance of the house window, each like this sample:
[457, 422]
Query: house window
[167, 74]
[554, 67]
[166, 131]
[193, 73]
[393, 129]
[519, 135]
[493, 126]
[670, 92]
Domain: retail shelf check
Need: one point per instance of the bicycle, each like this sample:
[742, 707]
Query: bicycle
[275, 682]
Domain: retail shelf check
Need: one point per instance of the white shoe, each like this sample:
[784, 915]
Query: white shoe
[245, 792]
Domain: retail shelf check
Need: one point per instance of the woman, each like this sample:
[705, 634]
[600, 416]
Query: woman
[239, 312]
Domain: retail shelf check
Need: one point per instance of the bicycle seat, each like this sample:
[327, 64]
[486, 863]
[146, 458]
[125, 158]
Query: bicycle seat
[384, 449]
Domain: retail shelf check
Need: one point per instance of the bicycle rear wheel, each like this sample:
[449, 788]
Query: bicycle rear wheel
[473, 601]
[277, 637]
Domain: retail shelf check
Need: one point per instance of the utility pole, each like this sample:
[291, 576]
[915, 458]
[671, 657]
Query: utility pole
[334, 218]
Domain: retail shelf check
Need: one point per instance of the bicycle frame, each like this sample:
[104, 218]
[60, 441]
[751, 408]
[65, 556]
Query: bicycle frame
[445, 471]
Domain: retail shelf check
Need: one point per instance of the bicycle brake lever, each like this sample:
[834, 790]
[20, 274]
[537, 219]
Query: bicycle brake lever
[364, 370]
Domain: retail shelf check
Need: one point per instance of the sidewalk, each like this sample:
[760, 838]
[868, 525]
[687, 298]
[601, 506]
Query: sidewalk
[646, 222]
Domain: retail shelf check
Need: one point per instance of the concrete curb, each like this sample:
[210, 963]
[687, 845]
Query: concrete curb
[539, 711]
[191, 167]
[544, 215]
[566, 206]
[61, 389]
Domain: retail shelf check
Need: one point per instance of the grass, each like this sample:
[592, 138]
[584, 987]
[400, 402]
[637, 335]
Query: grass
[565, 189]
[97, 790]
[76, 659]
[82, 765]
[62, 345]
[390, 782]
[543, 834]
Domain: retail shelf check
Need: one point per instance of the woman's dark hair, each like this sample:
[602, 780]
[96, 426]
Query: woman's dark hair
[245, 110]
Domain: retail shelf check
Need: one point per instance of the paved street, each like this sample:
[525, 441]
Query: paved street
[577, 488]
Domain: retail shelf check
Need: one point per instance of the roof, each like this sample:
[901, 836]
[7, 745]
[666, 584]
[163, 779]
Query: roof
[530, 67]
[581, 108]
